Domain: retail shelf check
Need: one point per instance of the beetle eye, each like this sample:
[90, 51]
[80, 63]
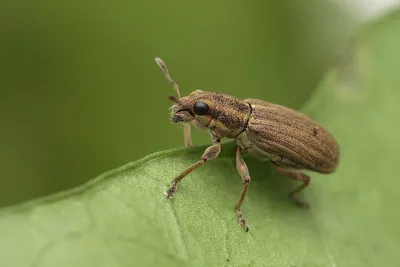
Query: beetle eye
[200, 108]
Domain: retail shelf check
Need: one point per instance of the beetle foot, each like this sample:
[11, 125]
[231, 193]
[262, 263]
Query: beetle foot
[302, 204]
[241, 220]
[170, 192]
[299, 203]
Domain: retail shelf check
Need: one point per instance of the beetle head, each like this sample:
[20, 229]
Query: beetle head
[196, 106]
[225, 115]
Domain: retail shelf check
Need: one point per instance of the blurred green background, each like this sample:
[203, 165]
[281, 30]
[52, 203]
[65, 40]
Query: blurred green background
[80, 92]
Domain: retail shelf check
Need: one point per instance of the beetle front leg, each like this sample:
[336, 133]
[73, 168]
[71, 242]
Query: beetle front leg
[211, 153]
[244, 174]
[187, 135]
[297, 176]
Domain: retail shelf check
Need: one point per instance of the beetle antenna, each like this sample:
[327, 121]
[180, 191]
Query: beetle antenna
[164, 69]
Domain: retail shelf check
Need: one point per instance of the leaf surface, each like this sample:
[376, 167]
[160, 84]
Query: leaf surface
[122, 218]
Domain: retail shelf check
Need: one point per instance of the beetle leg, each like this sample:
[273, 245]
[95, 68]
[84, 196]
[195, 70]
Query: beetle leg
[244, 173]
[297, 176]
[211, 153]
[186, 135]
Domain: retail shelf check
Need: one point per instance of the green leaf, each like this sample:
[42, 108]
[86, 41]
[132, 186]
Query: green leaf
[122, 218]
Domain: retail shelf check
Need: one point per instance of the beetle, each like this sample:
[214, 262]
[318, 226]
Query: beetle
[290, 140]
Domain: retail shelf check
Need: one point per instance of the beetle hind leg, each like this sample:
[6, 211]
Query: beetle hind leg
[297, 176]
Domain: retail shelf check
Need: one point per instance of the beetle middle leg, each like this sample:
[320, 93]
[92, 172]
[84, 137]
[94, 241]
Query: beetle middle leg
[244, 174]
[211, 153]
[297, 176]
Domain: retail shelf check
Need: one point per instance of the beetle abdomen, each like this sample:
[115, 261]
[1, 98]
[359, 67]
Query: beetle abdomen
[292, 136]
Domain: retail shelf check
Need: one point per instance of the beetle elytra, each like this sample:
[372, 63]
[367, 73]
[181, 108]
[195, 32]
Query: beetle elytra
[290, 140]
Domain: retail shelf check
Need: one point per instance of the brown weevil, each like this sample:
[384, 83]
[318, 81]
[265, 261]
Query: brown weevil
[290, 140]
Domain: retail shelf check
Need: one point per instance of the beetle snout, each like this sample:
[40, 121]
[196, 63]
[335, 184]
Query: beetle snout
[177, 118]
[181, 116]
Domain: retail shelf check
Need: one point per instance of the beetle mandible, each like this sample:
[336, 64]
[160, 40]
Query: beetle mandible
[290, 140]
